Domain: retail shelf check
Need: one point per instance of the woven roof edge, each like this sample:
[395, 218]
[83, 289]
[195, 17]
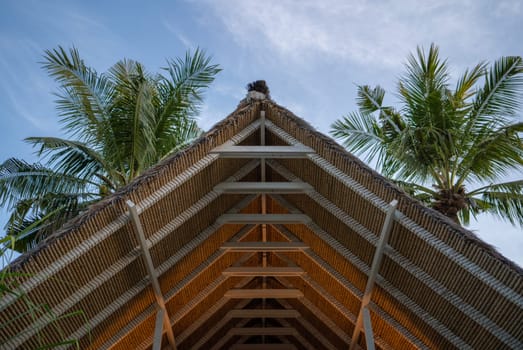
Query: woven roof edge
[245, 105]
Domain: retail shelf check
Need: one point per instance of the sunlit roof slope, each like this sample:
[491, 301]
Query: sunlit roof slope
[262, 235]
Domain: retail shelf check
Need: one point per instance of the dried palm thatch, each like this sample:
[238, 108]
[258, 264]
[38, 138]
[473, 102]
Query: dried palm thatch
[438, 286]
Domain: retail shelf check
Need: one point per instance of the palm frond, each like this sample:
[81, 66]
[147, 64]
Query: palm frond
[180, 138]
[71, 157]
[85, 96]
[500, 97]
[361, 134]
[421, 193]
[467, 82]
[134, 118]
[370, 100]
[505, 200]
[493, 155]
[187, 80]
[20, 180]
[425, 79]
[192, 74]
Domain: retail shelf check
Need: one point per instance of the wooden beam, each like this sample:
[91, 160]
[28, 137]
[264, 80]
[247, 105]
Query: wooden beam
[367, 326]
[264, 246]
[151, 271]
[376, 263]
[260, 313]
[158, 330]
[216, 326]
[263, 187]
[263, 293]
[304, 341]
[327, 322]
[263, 219]
[245, 334]
[246, 271]
[262, 151]
[264, 331]
[288, 346]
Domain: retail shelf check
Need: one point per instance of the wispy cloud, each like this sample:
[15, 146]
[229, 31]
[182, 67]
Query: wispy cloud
[24, 88]
[178, 35]
[361, 32]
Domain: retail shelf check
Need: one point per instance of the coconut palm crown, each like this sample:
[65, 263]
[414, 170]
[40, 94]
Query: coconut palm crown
[118, 124]
[453, 148]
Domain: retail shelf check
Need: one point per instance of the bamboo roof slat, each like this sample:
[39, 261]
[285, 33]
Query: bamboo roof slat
[406, 221]
[301, 219]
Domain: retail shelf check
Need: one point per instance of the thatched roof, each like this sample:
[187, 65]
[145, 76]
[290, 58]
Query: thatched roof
[438, 285]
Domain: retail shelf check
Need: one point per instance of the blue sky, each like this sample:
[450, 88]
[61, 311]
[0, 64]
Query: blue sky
[311, 53]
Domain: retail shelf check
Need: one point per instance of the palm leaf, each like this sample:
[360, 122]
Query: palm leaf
[494, 154]
[134, 116]
[85, 96]
[71, 157]
[361, 134]
[505, 200]
[188, 78]
[20, 180]
[500, 97]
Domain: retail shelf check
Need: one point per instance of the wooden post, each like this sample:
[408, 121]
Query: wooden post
[376, 262]
[152, 272]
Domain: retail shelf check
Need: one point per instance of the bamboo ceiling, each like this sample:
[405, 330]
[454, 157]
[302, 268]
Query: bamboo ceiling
[438, 286]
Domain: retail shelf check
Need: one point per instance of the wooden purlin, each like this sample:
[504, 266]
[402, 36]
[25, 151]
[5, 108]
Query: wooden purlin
[264, 246]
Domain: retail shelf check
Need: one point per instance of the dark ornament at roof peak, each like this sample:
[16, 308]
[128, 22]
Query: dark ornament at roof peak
[258, 90]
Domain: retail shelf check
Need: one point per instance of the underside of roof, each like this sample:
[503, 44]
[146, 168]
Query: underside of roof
[263, 235]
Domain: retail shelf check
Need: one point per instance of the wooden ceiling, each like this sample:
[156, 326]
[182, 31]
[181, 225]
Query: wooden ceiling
[265, 234]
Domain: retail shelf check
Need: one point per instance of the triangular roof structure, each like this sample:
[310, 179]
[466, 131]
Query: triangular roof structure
[266, 234]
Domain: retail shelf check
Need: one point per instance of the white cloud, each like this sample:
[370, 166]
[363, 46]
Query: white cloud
[361, 32]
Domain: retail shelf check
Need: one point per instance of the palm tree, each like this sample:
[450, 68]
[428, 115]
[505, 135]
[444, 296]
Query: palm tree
[118, 124]
[464, 142]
